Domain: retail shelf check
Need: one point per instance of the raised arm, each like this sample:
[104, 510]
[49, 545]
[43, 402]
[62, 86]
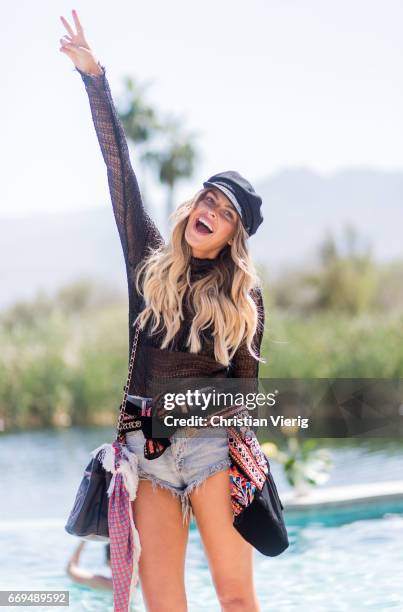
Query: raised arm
[136, 229]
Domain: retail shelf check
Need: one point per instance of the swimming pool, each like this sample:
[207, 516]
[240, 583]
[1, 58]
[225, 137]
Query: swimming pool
[351, 566]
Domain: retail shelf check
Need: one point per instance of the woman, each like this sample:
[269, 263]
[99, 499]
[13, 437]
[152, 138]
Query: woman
[200, 312]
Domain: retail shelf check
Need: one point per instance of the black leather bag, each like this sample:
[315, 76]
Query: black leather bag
[262, 522]
[89, 517]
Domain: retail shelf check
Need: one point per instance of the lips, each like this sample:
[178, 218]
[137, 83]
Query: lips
[203, 226]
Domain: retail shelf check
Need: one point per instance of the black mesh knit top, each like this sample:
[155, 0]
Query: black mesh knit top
[137, 233]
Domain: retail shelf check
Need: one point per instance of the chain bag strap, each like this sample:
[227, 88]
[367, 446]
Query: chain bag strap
[122, 425]
[89, 518]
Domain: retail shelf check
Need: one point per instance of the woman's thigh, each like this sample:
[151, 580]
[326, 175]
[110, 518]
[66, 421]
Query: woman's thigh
[229, 555]
[163, 535]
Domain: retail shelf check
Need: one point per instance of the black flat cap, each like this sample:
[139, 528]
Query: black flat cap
[242, 195]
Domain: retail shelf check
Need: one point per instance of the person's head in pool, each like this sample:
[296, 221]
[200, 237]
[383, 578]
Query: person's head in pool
[210, 234]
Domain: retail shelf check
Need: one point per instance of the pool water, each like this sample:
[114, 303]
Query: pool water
[349, 567]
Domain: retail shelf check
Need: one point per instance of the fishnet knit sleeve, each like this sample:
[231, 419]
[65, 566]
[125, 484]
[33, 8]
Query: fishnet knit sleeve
[137, 230]
[243, 365]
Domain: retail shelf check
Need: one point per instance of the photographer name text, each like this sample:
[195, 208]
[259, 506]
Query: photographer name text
[235, 421]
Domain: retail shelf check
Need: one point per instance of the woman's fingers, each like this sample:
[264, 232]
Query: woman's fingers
[67, 51]
[77, 21]
[67, 26]
[67, 43]
[74, 45]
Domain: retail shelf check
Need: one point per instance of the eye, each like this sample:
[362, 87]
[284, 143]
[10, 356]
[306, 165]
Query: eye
[229, 215]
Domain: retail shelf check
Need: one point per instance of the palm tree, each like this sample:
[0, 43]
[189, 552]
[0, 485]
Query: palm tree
[139, 120]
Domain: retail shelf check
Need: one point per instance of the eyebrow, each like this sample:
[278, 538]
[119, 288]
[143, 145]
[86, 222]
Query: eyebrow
[227, 207]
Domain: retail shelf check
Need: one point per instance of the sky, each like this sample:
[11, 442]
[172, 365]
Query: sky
[264, 85]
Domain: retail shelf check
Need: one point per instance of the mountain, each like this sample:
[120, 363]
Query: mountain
[299, 206]
[47, 251]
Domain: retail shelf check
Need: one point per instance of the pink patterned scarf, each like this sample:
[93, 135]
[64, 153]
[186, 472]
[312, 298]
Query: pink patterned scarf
[123, 536]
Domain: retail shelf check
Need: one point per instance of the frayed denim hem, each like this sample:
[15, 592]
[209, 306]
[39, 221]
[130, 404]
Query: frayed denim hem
[163, 484]
[187, 512]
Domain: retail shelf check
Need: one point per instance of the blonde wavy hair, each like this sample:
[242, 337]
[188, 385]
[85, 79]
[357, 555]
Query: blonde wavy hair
[220, 299]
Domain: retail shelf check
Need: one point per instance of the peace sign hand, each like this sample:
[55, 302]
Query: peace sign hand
[75, 46]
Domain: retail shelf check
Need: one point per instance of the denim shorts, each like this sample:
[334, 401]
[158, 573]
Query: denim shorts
[184, 465]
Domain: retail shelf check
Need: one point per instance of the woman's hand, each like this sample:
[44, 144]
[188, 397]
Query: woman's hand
[75, 46]
[75, 557]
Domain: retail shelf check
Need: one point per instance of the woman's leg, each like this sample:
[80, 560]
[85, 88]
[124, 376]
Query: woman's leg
[230, 557]
[163, 535]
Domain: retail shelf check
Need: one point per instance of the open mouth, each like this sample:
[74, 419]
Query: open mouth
[202, 226]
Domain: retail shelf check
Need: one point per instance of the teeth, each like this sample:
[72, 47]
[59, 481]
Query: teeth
[202, 220]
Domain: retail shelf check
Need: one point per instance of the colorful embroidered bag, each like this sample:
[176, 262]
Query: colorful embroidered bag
[256, 505]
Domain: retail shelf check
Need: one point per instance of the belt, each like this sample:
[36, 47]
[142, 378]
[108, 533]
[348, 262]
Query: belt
[141, 408]
[137, 405]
